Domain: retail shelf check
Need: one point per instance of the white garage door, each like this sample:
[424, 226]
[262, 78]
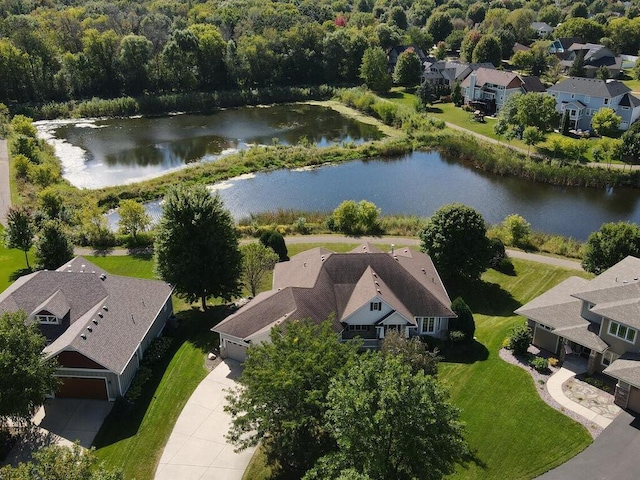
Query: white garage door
[236, 352]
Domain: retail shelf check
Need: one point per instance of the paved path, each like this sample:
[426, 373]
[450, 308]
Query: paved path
[5, 192]
[613, 455]
[554, 387]
[196, 449]
[398, 241]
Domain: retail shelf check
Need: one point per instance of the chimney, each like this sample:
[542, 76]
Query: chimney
[393, 248]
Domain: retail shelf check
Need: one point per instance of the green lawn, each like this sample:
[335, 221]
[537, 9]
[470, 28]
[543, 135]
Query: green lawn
[513, 433]
[631, 82]
[12, 263]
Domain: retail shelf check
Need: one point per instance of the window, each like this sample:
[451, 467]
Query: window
[608, 358]
[546, 327]
[359, 328]
[48, 319]
[625, 108]
[573, 96]
[622, 331]
[587, 99]
[606, 101]
[429, 325]
[375, 306]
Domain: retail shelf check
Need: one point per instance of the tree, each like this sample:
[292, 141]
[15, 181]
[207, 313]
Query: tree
[550, 14]
[605, 122]
[282, 398]
[439, 26]
[426, 93]
[465, 322]
[53, 247]
[468, 44]
[532, 136]
[274, 240]
[25, 377]
[133, 218]
[381, 402]
[356, 218]
[602, 73]
[408, 69]
[577, 67]
[20, 230]
[374, 70]
[587, 30]
[413, 351]
[456, 94]
[257, 261]
[135, 54]
[196, 247]
[612, 243]
[441, 50]
[58, 462]
[519, 339]
[489, 50]
[579, 10]
[517, 230]
[455, 239]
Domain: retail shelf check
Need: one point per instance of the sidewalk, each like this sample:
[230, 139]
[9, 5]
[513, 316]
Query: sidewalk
[5, 191]
[197, 448]
[554, 387]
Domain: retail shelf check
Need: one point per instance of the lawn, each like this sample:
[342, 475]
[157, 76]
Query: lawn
[511, 430]
[631, 82]
[12, 263]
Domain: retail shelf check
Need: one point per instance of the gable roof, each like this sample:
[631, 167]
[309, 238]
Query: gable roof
[132, 304]
[629, 100]
[541, 26]
[566, 42]
[316, 284]
[532, 84]
[593, 87]
[626, 368]
[495, 77]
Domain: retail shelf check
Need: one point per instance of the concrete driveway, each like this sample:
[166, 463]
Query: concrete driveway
[197, 448]
[61, 421]
[613, 455]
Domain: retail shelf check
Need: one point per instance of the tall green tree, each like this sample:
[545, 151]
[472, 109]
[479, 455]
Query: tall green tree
[135, 55]
[408, 69]
[455, 237]
[133, 218]
[489, 50]
[439, 26]
[612, 243]
[532, 136]
[20, 230]
[605, 122]
[257, 261]
[468, 44]
[376, 411]
[464, 322]
[282, 398]
[53, 247]
[196, 247]
[577, 67]
[374, 70]
[413, 351]
[25, 377]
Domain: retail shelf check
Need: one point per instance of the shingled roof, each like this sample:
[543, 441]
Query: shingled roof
[318, 283]
[119, 310]
[593, 87]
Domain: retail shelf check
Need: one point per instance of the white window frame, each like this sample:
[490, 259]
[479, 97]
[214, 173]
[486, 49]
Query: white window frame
[48, 319]
[622, 332]
[429, 325]
[359, 328]
[545, 327]
[608, 358]
[606, 101]
[377, 306]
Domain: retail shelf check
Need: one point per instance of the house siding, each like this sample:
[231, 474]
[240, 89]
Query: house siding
[129, 373]
[72, 359]
[545, 339]
[634, 399]
[617, 345]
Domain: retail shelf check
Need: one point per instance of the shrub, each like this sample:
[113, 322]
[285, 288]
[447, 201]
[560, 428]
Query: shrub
[539, 364]
[465, 323]
[456, 336]
[519, 339]
[498, 252]
[142, 377]
[157, 350]
[553, 362]
[596, 382]
[275, 240]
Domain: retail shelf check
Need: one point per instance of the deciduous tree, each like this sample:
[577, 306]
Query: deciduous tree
[532, 136]
[53, 247]
[489, 50]
[20, 230]
[605, 122]
[413, 351]
[465, 322]
[439, 26]
[612, 243]
[374, 70]
[196, 247]
[133, 218]
[408, 69]
[257, 261]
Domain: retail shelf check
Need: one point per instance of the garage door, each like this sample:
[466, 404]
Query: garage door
[236, 352]
[76, 387]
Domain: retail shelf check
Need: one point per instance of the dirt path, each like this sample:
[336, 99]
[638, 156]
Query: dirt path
[398, 241]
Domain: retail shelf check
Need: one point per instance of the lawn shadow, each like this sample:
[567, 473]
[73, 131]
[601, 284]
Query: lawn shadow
[392, 95]
[13, 276]
[433, 110]
[194, 327]
[487, 298]
[102, 251]
[466, 353]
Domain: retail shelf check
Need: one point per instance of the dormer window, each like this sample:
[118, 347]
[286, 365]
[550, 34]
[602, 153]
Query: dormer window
[375, 306]
[48, 319]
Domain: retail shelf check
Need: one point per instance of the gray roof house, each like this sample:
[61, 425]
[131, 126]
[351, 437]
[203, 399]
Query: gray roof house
[488, 89]
[583, 97]
[97, 325]
[595, 56]
[367, 293]
[394, 52]
[542, 29]
[597, 319]
[443, 72]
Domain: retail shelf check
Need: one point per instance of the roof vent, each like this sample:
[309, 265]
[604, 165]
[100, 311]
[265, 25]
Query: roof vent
[304, 264]
[103, 276]
[100, 314]
[95, 322]
[406, 250]
[376, 282]
[424, 271]
[375, 274]
[83, 266]
[105, 308]
[83, 336]
[378, 290]
[625, 281]
[635, 278]
[90, 329]
[396, 258]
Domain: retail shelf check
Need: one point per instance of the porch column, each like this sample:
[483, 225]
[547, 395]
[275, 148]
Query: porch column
[562, 354]
[591, 366]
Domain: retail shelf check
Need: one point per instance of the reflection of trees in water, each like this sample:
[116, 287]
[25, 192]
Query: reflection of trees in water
[171, 154]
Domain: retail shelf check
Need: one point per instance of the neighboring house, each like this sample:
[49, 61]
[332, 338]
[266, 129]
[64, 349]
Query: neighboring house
[394, 53]
[542, 29]
[596, 319]
[583, 97]
[562, 44]
[488, 89]
[518, 47]
[595, 56]
[366, 292]
[442, 72]
[97, 325]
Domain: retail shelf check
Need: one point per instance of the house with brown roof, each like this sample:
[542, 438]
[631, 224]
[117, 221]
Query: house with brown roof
[366, 292]
[97, 325]
[488, 89]
[597, 319]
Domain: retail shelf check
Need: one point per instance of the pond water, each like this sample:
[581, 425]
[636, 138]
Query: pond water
[419, 184]
[98, 153]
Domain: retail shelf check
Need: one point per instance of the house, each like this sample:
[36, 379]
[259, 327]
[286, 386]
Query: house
[394, 53]
[562, 44]
[583, 97]
[488, 89]
[596, 319]
[441, 72]
[366, 292]
[97, 325]
[542, 29]
[518, 47]
[595, 56]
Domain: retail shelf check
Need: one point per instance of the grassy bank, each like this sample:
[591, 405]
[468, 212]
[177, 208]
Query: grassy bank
[512, 431]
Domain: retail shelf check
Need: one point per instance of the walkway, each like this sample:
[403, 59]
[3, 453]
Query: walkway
[5, 190]
[197, 449]
[554, 387]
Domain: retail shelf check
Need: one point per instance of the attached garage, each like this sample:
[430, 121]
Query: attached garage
[77, 387]
[234, 351]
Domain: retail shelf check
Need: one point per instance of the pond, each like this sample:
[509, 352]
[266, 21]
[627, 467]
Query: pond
[420, 183]
[98, 153]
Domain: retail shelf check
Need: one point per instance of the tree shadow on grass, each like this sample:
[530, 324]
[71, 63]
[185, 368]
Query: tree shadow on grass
[433, 110]
[13, 276]
[467, 353]
[487, 298]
